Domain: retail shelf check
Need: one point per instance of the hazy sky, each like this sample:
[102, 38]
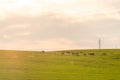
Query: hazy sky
[59, 24]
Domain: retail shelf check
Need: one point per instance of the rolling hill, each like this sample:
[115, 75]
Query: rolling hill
[54, 65]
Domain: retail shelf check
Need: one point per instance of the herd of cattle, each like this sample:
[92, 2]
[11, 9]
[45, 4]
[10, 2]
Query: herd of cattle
[80, 53]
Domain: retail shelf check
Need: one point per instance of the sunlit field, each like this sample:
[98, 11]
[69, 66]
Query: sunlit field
[60, 65]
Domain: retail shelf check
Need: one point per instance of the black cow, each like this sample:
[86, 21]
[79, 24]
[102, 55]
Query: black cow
[84, 54]
[91, 54]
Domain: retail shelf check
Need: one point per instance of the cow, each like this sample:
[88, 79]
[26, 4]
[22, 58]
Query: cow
[84, 54]
[104, 54]
[91, 54]
[42, 51]
[62, 53]
[75, 53]
[65, 52]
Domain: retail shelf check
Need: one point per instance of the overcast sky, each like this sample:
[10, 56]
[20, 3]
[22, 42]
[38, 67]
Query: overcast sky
[59, 24]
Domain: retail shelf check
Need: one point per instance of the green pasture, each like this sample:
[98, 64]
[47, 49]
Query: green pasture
[33, 65]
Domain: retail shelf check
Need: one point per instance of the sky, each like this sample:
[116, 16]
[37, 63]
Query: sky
[59, 24]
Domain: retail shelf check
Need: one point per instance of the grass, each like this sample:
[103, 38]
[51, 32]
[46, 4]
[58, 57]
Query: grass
[30, 65]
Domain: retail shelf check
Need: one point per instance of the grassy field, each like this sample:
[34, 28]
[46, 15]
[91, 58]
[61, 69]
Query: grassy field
[26, 65]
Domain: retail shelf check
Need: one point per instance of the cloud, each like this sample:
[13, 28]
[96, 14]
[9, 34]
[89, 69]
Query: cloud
[69, 7]
[59, 24]
[52, 31]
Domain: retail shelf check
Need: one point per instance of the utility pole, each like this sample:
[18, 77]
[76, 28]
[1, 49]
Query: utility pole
[99, 43]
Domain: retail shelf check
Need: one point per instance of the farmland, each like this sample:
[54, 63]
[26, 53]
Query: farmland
[35, 65]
